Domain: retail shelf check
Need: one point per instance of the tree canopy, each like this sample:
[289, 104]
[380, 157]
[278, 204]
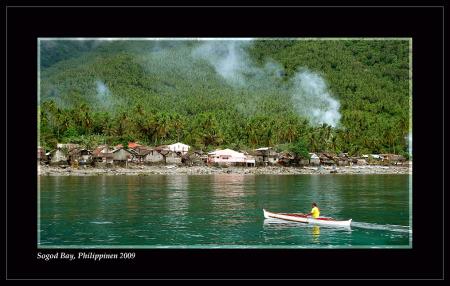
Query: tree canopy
[152, 91]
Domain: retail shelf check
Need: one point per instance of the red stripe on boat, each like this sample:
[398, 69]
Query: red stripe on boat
[304, 216]
[296, 215]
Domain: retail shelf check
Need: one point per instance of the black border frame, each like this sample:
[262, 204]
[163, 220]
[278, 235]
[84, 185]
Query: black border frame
[425, 25]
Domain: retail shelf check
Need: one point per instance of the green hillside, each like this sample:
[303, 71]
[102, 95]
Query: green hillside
[265, 93]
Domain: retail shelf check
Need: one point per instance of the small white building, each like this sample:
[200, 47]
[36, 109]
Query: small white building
[179, 148]
[60, 154]
[314, 159]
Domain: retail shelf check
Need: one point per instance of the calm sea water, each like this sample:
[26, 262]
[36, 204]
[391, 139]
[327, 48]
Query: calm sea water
[222, 211]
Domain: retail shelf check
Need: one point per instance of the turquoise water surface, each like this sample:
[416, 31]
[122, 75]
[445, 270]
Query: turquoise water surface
[222, 211]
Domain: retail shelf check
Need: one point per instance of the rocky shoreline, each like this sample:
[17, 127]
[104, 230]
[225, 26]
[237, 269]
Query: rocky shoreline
[140, 170]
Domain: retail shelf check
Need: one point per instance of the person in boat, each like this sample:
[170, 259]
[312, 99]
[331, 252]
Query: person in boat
[315, 212]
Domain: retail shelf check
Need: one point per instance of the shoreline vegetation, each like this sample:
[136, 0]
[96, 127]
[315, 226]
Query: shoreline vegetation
[143, 170]
[346, 96]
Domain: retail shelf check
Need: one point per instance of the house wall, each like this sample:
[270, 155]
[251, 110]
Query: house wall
[259, 158]
[121, 155]
[173, 158]
[58, 156]
[108, 159]
[154, 157]
[267, 156]
[226, 159]
[263, 159]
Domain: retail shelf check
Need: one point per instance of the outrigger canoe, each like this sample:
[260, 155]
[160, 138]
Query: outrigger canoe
[305, 219]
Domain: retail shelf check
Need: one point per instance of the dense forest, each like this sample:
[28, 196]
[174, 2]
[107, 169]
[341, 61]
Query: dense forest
[318, 95]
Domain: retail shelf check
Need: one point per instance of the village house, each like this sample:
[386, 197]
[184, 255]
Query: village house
[342, 159]
[286, 158]
[136, 158]
[153, 157]
[327, 159]
[226, 157]
[121, 156]
[393, 159]
[314, 160]
[139, 153]
[80, 155]
[146, 155]
[41, 154]
[59, 156]
[171, 157]
[196, 158]
[157, 155]
[250, 161]
[266, 156]
[103, 154]
[179, 148]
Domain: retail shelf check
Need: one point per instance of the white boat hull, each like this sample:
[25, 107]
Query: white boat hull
[344, 223]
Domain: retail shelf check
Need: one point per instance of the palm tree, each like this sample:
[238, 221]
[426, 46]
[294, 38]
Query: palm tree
[161, 125]
[178, 124]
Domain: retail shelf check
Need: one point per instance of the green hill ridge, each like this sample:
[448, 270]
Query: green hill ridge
[325, 95]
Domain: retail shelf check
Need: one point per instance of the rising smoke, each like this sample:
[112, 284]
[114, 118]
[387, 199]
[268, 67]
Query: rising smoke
[228, 58]
[311, 97]
[103, 95]
[309, 92]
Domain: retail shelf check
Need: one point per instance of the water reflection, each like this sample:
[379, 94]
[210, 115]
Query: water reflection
[229, 206]
[177, 194]
[177, 205]
[228, 191]
[315, 233]
[327, 195]
[228, 185]
[225, 209]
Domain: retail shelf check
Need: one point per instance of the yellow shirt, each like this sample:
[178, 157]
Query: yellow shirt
[315, 212]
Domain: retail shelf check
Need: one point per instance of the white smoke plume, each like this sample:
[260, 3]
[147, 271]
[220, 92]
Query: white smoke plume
[228, 58]
[312, 99]
[103, 95]
[310, 94]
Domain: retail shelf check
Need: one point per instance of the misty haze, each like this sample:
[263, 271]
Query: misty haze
[339, 96]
